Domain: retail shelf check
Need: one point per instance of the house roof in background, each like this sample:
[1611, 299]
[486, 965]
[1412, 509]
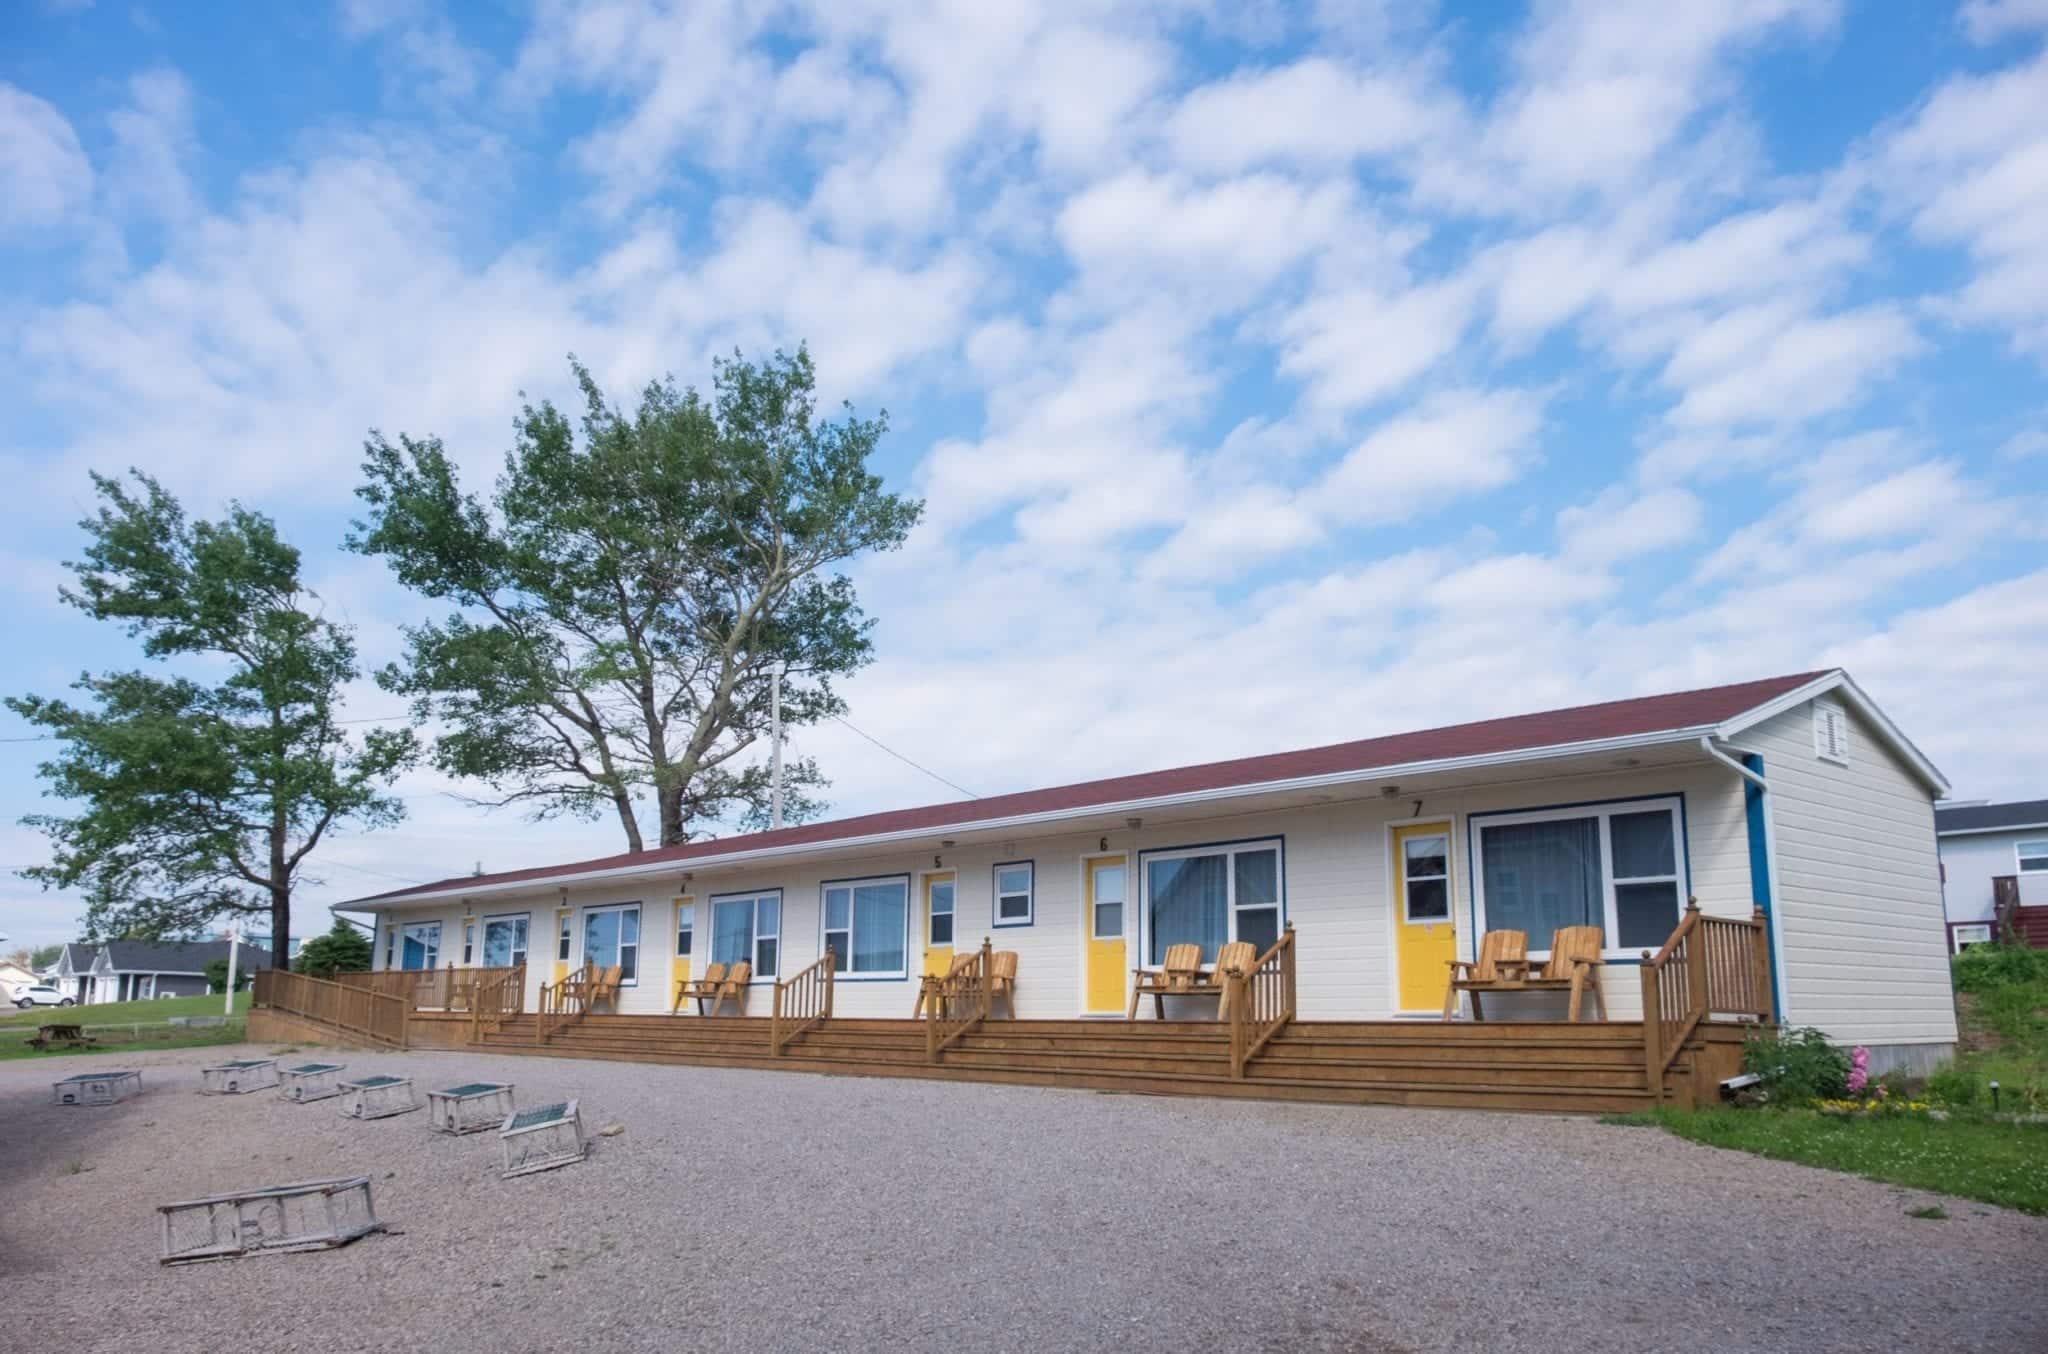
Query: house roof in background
[1675, 715]
[79, 954]
[1967, 818]
[175, 956]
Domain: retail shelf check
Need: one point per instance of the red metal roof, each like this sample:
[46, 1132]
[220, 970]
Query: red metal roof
[1552, 728]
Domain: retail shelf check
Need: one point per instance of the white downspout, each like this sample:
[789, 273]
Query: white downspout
[1708, 746]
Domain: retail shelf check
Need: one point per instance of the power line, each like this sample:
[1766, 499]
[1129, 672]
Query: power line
[907, 762]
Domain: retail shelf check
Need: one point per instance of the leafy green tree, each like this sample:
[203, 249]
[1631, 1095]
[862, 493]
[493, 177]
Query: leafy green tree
[621, 602]
[217, 976]
[44, 957]
[344, 949]
[202, 791]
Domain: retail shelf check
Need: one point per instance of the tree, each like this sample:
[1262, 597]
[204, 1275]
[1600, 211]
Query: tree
[621, 603]
[217, 976]
[344, 949]
[45, 956]
[203, 791]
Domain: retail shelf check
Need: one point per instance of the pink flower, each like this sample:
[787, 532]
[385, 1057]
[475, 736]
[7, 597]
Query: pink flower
[1859, 1071]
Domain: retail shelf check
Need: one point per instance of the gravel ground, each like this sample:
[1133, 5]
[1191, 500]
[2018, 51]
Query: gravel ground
[761, 1211]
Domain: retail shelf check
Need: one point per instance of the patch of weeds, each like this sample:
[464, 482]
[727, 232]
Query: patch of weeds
[1633, 1119]
[1929, 1213]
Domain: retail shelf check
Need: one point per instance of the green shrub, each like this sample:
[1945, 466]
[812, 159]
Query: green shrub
[1983, 968]
[1954, 1086]
[1798, 1065]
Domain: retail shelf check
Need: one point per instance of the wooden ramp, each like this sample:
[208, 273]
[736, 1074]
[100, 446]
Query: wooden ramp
[1593, 1067]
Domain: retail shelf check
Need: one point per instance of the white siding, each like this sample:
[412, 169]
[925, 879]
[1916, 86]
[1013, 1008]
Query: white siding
[1971, 862]
[1863, 952]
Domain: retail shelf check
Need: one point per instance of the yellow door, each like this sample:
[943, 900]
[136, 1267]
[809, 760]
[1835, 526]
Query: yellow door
[1105, 885]
[686, 943]
[560, 940]
[1425, 938]
[939, 894]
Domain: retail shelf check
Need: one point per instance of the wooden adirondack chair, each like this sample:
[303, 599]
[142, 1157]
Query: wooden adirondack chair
[605, 987]
[1002, 976]
[1240, 955]
[1572, 967]
[1182, 972]
[703, 985]
[931, 987]
[720, 988]
[1503, 961]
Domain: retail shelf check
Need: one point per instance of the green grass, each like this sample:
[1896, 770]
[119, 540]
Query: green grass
[1975, 1158]
[15, 1045]
[122, 1012]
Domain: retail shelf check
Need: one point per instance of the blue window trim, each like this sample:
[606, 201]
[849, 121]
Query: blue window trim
[1472, 854]
[1144, 899]
[1760, 868]
[753, 941]
[850, 976]
[995, 922]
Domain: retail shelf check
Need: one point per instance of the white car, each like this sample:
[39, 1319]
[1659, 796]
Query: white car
[30, 995]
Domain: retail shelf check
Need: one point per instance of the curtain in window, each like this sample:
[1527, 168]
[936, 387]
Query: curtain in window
[1540, 876]
[732, 931]
[1189, 900]
[878, 928]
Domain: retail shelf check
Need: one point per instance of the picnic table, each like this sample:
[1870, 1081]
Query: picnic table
[61, 1036]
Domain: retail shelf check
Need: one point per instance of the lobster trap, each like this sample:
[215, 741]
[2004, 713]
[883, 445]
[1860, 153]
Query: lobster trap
[378, 1097]
[312, 1081]
[542, 1138]
[238, 1078]
[469, 1108]
[96, 1088]
[314, 1215]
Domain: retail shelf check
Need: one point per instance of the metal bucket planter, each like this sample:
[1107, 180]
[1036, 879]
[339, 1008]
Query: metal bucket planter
[542, 1138]
[471, 1108]
[313, 1215]
[312, 1081]
[238, 1078]
[378, 1097]
[96, 1088]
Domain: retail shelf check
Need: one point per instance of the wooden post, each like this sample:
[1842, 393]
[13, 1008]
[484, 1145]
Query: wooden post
[775, 1024]
[1653, 1033]
[1760, 961]
[1698, 958]
[831, 963]
[1287, 966]
[1236, 993]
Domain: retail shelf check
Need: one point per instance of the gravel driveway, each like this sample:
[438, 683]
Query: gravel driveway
[764, 1211]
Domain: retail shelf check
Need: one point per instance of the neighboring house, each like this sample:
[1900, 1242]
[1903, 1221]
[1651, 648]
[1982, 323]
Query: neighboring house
[1994, 859]
[1388, 857]
[137, 970]
[13, 975]
[74, 972]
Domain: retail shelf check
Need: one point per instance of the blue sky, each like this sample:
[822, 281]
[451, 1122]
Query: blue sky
[1274, 374]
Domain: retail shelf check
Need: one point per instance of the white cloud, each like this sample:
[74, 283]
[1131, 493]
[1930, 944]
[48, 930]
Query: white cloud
[1314, 112]
[1991, 20]
[1767, 362]
[1622, 524]
[1452, 445]
[44, 175]
[1356, 346]
[153, 141]
[1223, 236]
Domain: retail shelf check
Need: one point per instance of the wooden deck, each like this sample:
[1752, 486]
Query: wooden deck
[1592, 1067]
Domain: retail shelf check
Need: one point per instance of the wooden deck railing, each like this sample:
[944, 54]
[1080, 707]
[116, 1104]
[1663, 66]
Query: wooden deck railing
[1711, 967]
[1261, 1002]
[432, 989]
[962, 1004]
[499, 994]
[803, 1001]
[563, 1002]
[376, 1016]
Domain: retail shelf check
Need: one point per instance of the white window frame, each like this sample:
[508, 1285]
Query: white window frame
[1231, 907]
[1957, 939]
[849, 974]
[996, 894]
[1094, 895]
[928, 882]
[2020, 856]
[390, 944]
[1831, 733]
[685, 927]
[1404, 879]
[1605, 810]
[639, 942]
[433, 949]
[519, 952]
[757, 935]
[469, 942]
[565, 935]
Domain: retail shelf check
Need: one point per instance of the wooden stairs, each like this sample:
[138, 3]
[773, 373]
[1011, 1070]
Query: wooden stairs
[1592, 1067]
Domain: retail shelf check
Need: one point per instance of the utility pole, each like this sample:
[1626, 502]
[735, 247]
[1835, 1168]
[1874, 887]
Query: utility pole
[775, 747]
[234, 955]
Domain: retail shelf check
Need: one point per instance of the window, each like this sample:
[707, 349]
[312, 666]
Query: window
[421, 947]
[747, 929]
[1962, 935]
[866, 925]
[1426, 875]
[2033, 857]
[1611, 866]
[1013, 893]
[1106, 887]
[686, 927]
[390, 944]
[1830, 733]
[1211, 895]
[504, 942]
[939, 918]
[611, 935]
[468, 943]
[565, 936]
